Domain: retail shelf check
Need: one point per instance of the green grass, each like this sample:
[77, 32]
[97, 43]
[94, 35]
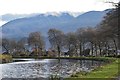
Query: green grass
[5, 58]
[106, 72]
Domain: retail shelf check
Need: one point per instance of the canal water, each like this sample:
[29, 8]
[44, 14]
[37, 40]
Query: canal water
[44, 68]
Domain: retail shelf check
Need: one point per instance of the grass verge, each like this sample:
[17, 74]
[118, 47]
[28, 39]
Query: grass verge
[106, 72]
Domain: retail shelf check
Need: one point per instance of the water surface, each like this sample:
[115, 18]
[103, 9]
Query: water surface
[46, 67]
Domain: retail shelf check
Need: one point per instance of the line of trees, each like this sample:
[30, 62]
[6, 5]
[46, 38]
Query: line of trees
[102, 40]
[75, 43]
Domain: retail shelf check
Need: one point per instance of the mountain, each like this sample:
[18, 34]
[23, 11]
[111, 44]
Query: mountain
[9, 17]
[22, 27]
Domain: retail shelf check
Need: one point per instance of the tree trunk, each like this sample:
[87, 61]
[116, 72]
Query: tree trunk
[80, 47]
[58, 47]
[92, 48]
[119, 26]
[76, 50]
[100, 49]
[36, 51]
[115, 46]
[83, 50]
[69, 48]
[96, 49]
[106, 49]
[6, 49]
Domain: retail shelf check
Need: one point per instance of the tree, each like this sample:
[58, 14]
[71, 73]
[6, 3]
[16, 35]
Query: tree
[56, 39]
[110, 26]
[71, 41]
[21, 45]
[13, 45]
[35, 40]
[9, 45]
[80, 37]
[6, 44]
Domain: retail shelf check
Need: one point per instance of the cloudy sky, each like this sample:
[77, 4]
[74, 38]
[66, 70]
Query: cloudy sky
[43, 6]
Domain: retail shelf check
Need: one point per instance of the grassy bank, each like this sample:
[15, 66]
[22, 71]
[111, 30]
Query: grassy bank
[87, 58]
[106, 72]
[5, 58]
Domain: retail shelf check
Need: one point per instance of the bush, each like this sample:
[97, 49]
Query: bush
[4, 58]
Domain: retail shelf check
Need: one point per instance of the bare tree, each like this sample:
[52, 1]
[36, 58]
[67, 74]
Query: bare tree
[72, 42]
[56, 38]
[21, 44]
[6, 44]
[89, 35]
[110, 26]
[80, 37]
[9, 45]
[36, 40]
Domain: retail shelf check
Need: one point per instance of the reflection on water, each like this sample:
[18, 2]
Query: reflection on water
[46, 67]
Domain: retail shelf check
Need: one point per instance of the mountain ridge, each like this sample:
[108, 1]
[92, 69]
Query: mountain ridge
[65, 22]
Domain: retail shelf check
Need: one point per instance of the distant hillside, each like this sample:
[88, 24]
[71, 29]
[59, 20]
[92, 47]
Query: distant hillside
[65, 22]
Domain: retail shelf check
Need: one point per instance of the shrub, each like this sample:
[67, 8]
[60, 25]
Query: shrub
[4, 58]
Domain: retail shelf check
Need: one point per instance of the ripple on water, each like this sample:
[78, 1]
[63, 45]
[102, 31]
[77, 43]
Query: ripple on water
[45, 67]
